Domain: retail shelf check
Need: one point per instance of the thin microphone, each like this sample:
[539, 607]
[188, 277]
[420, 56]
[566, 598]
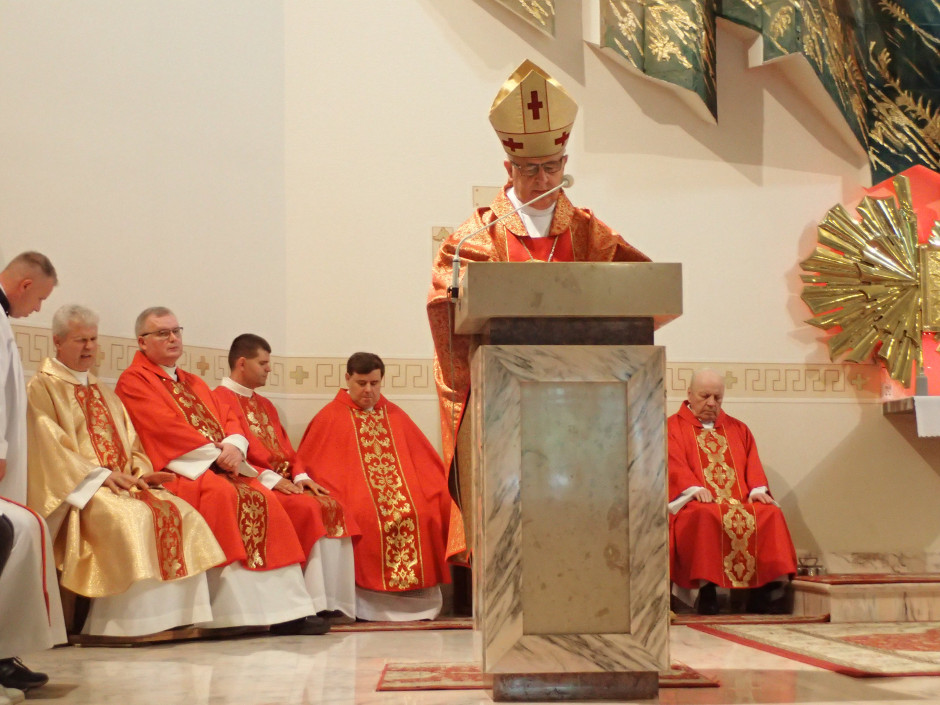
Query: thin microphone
[567, 181]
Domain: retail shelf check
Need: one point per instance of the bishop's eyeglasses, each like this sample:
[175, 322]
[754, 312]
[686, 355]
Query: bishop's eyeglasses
[165, 333]
[531, 170]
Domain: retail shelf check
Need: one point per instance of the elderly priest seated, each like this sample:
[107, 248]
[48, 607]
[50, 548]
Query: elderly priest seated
[725, 529]
[119, 538]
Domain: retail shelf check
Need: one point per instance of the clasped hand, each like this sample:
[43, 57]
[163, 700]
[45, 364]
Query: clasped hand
[119, 482]
[230, 458]
[704, 495]
[287, 487]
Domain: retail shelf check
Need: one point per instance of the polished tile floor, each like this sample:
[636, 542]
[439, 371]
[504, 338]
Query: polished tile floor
[345, 668]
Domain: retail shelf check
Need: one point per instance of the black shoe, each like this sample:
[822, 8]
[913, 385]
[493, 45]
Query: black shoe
[304, 626]
[758, 599]
[15, 674]
[707, 599]
[335, 617]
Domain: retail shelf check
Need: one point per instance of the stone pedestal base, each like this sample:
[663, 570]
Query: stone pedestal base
[870, 602]
[570, 445]
[552, 687]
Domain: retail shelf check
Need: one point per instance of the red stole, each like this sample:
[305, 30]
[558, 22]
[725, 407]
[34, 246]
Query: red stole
[167, 520]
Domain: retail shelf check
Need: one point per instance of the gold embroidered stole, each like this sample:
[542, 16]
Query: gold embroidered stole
[395, 511]
[194, 410]
[333, 517]
[738, 520]
[260, 425]
[252, 521]
[252, 504]
[112, 454]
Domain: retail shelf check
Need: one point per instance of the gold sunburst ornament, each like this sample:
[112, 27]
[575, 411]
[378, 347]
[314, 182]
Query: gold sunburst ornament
[872, 279]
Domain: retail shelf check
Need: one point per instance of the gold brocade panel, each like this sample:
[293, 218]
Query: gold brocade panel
[395, 510]
[738, 520]
[333, 517]
[252, 522]
[261, 426]
[197, 414]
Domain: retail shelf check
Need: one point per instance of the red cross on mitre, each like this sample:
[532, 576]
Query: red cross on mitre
[510, 144]
[534, 105]
[562, 139]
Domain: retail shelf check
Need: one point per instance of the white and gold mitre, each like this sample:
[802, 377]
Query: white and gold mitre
[532, 113]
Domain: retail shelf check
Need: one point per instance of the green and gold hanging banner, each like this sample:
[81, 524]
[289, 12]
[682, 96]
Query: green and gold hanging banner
[879, 61]
[538, 13]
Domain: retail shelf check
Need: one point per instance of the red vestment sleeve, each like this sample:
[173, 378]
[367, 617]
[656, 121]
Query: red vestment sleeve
[683, 458]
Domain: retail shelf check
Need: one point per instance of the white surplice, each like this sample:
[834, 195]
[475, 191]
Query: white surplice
[30, 608]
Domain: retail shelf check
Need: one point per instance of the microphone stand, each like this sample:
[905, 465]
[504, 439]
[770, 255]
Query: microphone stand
[454, 289]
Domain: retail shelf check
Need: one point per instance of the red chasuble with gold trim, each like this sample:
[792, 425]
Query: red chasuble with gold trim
[581, 237]
[269, 448]
[730, 542]
[392, 482]
[173, 418]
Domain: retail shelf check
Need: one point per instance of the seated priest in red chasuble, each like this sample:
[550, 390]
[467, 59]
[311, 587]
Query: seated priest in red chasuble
[184, 431]
[533, 117]
[120, 538]
[725, 529]
[369, 454]
[325, 531]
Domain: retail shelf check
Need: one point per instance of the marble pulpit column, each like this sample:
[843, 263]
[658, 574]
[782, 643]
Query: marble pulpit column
[571, 560]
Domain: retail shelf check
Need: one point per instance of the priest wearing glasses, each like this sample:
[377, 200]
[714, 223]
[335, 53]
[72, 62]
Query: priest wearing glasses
[533, 117]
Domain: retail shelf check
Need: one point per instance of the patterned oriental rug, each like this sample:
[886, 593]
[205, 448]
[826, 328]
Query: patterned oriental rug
[467, 676]
[862, 650]
[425, 625]
[870, 578]
[691, 619]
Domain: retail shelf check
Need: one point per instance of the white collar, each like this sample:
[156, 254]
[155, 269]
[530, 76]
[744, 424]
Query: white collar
[234, 386]
[82, 377]
[537, 221]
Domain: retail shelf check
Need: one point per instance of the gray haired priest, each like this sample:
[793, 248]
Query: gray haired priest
[119, 537]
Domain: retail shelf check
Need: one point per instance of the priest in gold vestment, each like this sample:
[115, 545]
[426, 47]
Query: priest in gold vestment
[119, 538]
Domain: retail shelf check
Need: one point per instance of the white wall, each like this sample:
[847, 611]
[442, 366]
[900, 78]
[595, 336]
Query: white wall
[142, 151]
